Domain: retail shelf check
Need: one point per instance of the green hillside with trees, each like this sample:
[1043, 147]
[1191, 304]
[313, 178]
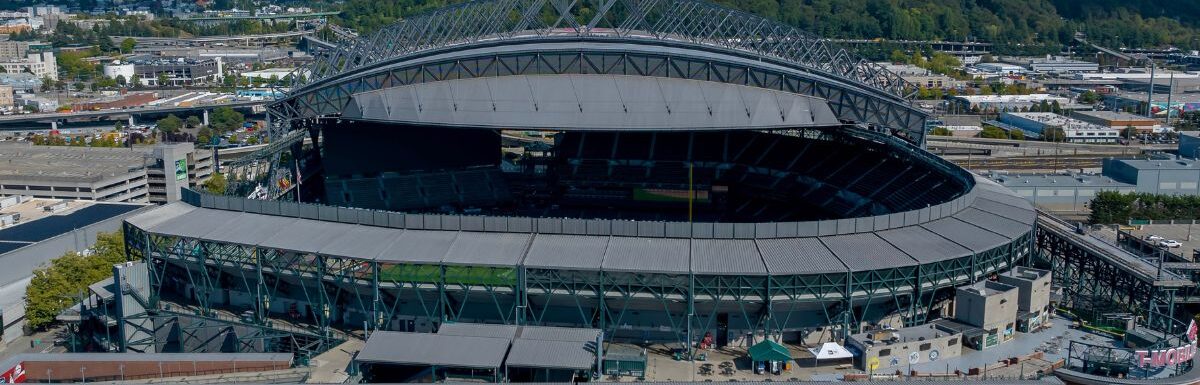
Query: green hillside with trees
[1015, 26]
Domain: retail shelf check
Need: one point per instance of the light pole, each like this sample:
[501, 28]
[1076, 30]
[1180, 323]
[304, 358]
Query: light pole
[83, 374]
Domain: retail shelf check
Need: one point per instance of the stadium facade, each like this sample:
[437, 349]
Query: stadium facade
[711, 172]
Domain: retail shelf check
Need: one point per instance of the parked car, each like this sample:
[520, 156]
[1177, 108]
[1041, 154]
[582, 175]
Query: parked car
[1154, 238]
[1170, 243]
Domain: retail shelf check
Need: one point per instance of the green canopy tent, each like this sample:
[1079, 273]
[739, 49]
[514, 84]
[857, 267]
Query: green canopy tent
[769, 351]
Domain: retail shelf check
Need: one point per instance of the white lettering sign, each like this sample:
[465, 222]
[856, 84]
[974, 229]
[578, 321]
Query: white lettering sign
[1166, 357]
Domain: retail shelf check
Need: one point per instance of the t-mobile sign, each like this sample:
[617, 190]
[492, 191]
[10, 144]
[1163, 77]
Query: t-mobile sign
[1172, 356]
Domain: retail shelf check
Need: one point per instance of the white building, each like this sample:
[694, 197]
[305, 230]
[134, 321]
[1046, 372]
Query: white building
[999, 69]
[1130, 75]
[1061, 65]
[267, 74]
[42, 65]
[115, 69]
[1008, 102]
[1076, 131]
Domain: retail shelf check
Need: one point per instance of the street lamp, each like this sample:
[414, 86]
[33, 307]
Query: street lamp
[83, 374]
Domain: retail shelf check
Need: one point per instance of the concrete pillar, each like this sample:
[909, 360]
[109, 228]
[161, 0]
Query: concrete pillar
[206, 118]
[131, 121]
[54, 125]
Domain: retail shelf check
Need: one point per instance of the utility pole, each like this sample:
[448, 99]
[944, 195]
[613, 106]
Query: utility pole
[1150, 94]
[1170, 93]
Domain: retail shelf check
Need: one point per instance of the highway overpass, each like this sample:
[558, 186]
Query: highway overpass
[54, 118]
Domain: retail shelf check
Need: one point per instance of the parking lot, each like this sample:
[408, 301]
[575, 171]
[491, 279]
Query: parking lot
[1187, 235]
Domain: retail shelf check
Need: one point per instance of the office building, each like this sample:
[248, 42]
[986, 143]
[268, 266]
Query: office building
[6, 96]
[178, 71]
[20, 49]
[41, 65]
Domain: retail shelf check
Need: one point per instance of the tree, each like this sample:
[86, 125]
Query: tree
[993, 132]
[940, 131]
[204, 136]
[1053, 134]
[135, 81]
[128, 45]
[1088, 97]
[120, 79]
[162, 79]
[216, 184]
[193, 121]
[170, 124]
[898, 56]
[64, 281]
[1111, 207]
[224, 119]
[1017, 134]
[1129, 132]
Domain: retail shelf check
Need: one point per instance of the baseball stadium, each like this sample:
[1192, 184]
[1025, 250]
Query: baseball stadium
[657, 170]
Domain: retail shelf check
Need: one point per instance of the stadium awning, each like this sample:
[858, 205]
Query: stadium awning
[769, 351]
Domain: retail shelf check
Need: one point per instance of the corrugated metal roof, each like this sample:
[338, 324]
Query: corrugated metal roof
[923, 244]
[575, 252]
[487, 249]
[478, 330]
[994, 223]
[362, 242]
[153, 357]
[971, 237]
[1018, 214]
[148, 219]
[434, 349]
[796, 256]
[307, 235]
[1005, 197]
[551, 333]
[552, 354]
[647, 255]
[250, 229]
[867, 251]
[419, 246]
[726, 256]
[196, 223]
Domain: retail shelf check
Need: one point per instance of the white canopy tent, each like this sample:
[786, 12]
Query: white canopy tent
[831, 351]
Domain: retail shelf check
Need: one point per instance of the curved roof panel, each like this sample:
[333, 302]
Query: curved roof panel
[590, 102]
